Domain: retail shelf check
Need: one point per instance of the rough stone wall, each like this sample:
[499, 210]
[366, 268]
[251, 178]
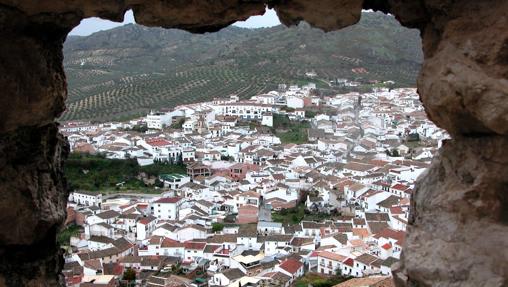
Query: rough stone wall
[32, 204]
[32, 187]
[458, 227]
[459, 218]
[458, 232]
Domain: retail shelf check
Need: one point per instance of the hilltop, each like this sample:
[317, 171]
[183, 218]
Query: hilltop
[125, 71]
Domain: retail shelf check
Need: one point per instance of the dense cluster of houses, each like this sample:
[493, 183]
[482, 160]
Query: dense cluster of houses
[213, 226]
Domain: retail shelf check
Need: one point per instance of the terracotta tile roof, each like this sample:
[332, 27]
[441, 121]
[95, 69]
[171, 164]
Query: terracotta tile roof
[170, 243]
[376, 227]
[378, 281]
[372, 216]
[396, 210]
[168, 200]
[291, 265]
[332, 256]
[391, 233]
[349, 262]
[366, 259]
[400, 187]
[195, 245]
[387, 246]
[299, 241]
[361, 232]
[108, 214]
[157, 142]
[146, 220]
[359, 166]
[233, 274]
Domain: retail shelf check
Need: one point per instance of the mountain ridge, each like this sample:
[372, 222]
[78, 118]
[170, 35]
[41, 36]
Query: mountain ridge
[127, 70]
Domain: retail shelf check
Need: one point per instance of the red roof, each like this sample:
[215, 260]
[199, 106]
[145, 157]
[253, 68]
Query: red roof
[332, 256]
[168, 242]
[387, 246]
[195, 245]
[168, 200]
[400, 186]
[158, 142]
[73, 280]
[146, 220]
[396, 210]
[349, 262]
[382, 183]
[291, 265]
[400, 236]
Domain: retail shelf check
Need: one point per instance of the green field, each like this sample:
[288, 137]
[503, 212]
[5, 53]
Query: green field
[96, 173]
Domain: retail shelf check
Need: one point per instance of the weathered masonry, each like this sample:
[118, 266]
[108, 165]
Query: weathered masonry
[458, 232]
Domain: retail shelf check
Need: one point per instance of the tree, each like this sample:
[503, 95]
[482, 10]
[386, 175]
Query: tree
[178, 124]
[129, 275]
[310, 114]
[158, 183]
[395, 153]
[216, 227]
[392, 153]
[226, 158]
[176, 269]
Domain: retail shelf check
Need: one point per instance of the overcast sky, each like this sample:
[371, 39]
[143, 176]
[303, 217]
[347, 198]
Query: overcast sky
[92, 25]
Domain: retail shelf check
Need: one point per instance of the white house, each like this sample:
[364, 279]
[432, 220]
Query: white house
[247, 110]
[156, 120]
[268, 227]
[87, 198]
[363, 266]
[174, 180]
[144, 227]
[191, 232]
[291, 267]
[295, 102]
[330, 263]
[267, 119]
[277, 244]
[166, 208]
[226, 278]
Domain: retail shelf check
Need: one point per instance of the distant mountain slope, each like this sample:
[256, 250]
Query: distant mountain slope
[125, 71]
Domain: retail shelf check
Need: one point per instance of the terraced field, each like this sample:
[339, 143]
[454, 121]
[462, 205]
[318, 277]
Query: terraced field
[134, 95]
[125, 72]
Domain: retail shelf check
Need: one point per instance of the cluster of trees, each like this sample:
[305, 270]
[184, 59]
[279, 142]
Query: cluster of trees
[97, 173]
[290, 131]
[178, 124]
[393, 152]
[138, 128]
[64, 236]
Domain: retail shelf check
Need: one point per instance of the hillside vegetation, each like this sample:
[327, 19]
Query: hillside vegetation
[124, 72]
[97, 173]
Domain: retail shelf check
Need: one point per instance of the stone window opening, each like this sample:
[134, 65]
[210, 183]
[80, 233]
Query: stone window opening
[459, 205]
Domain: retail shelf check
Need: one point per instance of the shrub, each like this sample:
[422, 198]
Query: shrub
[216, 227]
[129, 275]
